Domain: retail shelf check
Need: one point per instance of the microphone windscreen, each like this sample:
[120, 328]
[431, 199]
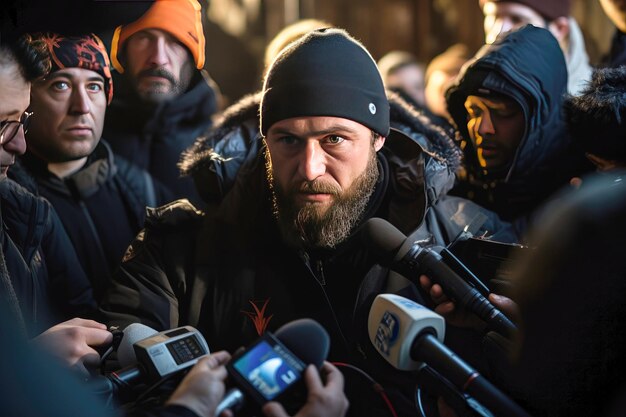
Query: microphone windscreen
[133, 333]
[382, 238]
[306, 339]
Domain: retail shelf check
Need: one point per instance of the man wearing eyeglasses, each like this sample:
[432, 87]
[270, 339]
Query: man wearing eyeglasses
[13, 124]
[41, 282]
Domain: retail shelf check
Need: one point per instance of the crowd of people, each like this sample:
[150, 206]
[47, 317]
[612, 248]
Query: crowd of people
[127, 195]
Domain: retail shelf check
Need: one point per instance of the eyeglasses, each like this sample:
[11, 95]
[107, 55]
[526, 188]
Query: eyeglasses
[9, 128]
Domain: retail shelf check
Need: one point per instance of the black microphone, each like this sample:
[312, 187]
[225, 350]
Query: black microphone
[412, 260]
[272, 368]
[409, 336]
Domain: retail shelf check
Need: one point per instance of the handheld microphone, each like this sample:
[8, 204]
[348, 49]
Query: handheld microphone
[273, 366]
[410, 336]
[157, 356]
[132, 334]
[412, 260]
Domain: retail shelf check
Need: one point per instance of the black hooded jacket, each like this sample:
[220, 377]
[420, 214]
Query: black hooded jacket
[45, 275]
[528, 66]
[154, 137]
[102, 206]
[229, 273]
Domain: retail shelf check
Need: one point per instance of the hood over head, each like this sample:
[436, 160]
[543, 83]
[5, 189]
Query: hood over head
[528, 66]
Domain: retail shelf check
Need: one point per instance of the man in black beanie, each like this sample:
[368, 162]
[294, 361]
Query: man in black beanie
[284, 241]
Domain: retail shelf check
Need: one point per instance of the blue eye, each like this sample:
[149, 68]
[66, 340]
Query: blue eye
[94, 87]
[60, 85]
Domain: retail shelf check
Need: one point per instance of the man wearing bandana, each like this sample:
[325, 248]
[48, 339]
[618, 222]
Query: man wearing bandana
[99, 197]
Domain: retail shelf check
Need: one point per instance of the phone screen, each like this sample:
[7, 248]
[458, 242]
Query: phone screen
[269, 368]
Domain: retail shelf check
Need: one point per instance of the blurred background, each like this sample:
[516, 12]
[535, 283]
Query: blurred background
[238, 30]
[425, 28]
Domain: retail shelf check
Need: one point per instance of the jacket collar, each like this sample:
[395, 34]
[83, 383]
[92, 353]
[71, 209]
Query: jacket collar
[98, 170]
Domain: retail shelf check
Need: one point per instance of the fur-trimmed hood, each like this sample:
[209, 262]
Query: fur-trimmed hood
[215, 158]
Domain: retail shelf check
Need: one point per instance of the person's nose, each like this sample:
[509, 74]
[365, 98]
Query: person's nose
[158, 52]
[313, 161]
[485, 125]
[17, 145]
[80, 102]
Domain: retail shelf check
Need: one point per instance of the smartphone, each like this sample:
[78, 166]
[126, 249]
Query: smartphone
[267, 370]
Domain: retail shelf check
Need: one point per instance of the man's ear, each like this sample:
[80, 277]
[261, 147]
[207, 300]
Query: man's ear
[379, 142]
[560, 29]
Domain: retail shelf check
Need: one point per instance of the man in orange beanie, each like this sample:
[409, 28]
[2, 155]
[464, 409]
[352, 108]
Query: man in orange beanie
[165, 99]
[505, 15]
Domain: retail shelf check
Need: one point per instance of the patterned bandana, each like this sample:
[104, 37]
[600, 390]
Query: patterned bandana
[86, 52]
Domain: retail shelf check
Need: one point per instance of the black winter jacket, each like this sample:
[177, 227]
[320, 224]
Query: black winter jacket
[102, 206]
[528, 66]
[153, 138]
[229, 274]
[45, 274]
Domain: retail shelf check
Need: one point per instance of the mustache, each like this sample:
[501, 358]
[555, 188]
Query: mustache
[318, 186]
[158, 72]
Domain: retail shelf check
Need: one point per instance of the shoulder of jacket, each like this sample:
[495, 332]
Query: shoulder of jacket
[17, 197]
[232, 132]
[173, 216]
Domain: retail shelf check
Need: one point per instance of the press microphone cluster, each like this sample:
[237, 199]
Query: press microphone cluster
[409, 336]
[412, 260]
[271, 369]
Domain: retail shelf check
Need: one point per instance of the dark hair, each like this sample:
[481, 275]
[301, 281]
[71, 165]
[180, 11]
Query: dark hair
[30, 56]
[597, 118]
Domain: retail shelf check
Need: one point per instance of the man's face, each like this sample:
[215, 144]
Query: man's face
[322, 171]
[616, 11]
[70, 105]
[14, 99]
[501, 17]
[496, 127]
[160, 68]
[409, 78]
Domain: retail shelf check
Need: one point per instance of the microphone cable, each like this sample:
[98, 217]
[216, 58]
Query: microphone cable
[378, 388]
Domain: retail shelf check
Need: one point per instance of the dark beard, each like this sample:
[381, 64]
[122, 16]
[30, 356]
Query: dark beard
[307, 227]
[155, 95]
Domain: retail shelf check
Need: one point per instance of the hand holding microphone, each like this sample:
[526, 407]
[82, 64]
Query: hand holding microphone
[273, 366]
[74, 342]
[409, 336]
[460, 317]
[412, 260]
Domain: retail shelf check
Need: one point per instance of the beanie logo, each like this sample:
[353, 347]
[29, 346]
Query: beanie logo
[372, 108]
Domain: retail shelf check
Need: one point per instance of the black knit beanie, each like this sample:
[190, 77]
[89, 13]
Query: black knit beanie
[325, 73]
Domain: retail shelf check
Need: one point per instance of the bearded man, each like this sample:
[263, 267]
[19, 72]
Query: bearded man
[284, 243]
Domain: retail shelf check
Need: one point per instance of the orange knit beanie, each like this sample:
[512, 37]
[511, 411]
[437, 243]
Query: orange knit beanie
[180, 18]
